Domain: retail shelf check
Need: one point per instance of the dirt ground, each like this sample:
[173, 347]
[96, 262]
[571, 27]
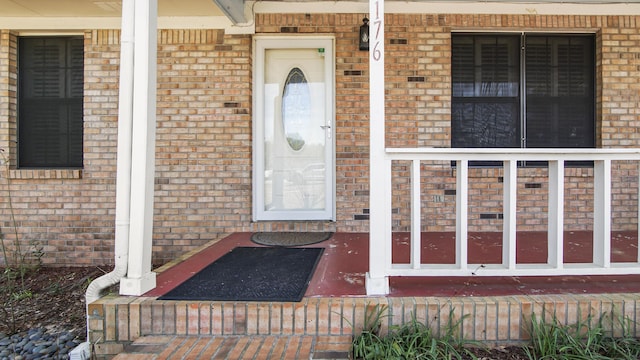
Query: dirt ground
[49, 297]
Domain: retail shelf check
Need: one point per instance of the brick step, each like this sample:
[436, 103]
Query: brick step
[115, 322]
[255, 347]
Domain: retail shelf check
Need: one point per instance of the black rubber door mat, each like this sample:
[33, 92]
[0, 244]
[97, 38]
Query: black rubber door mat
[252, 274]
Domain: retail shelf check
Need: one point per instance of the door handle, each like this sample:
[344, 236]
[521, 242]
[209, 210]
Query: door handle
[327, 127]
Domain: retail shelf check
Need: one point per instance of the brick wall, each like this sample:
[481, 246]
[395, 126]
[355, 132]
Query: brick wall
[66, 214]
[204, 134]
[8, 58]
[418, 114]
[203, 165]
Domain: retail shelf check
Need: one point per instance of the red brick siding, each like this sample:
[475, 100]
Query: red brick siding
[203, 145]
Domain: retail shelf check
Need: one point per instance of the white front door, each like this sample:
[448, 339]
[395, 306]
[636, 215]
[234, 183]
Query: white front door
[293, 128]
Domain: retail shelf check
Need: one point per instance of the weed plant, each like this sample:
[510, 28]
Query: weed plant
[413, 340]
[584, 340]
[16, 261]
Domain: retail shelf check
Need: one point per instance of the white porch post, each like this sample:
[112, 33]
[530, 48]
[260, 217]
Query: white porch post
[377, 281]
[140, 278]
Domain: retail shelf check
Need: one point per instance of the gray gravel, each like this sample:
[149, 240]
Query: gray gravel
[37, 344]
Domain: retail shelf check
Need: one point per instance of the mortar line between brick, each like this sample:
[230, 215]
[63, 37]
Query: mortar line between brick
[317, 317]
[509, 337]
[222, 318]
[329, 316]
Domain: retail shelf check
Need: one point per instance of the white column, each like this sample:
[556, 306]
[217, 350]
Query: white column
[377, 281]
[140, 278]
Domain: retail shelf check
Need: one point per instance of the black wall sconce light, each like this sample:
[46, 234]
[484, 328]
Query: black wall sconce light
[364, 34]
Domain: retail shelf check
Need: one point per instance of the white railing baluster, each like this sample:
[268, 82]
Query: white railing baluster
[388, 215]
[462, 208]
[555, 213]
[602, 213]
[601, 264]
[509, 213]
[416, 205]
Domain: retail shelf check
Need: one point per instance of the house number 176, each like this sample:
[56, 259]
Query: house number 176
[377, 24]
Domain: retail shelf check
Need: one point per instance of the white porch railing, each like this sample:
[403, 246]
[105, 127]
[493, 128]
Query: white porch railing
[381, 263]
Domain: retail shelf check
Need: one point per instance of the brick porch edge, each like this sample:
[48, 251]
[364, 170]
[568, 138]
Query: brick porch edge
[115, 321]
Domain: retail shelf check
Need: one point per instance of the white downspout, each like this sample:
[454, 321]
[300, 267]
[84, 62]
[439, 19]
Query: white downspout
[123, 171]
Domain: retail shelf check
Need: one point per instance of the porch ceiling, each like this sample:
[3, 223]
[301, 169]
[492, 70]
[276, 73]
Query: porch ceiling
[110, 8]
[100, 8]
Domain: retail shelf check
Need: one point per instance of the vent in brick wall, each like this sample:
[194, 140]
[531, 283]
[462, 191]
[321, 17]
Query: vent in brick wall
[398, 41]
[533, 186]
[486, 216]
[289, 29]
[365, 214]
[352, 72]
[450, 192]
[500, 179]
[231, 105]
[361, 193]
[415, 79]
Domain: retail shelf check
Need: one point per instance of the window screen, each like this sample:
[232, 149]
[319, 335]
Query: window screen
[522, 91]
[485, 105]
[50, 102]
[559, 82]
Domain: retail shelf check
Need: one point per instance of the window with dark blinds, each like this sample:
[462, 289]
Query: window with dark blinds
[560, 92]
[485, 104]
[50, 92]
[523, 91]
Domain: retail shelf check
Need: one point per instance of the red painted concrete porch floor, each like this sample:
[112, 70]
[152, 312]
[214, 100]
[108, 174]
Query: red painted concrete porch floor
[342, 269]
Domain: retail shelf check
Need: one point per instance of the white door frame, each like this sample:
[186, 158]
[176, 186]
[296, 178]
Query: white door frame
[261, 44]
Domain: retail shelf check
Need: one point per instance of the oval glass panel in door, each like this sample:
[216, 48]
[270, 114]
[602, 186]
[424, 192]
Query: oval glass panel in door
[296, 108]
